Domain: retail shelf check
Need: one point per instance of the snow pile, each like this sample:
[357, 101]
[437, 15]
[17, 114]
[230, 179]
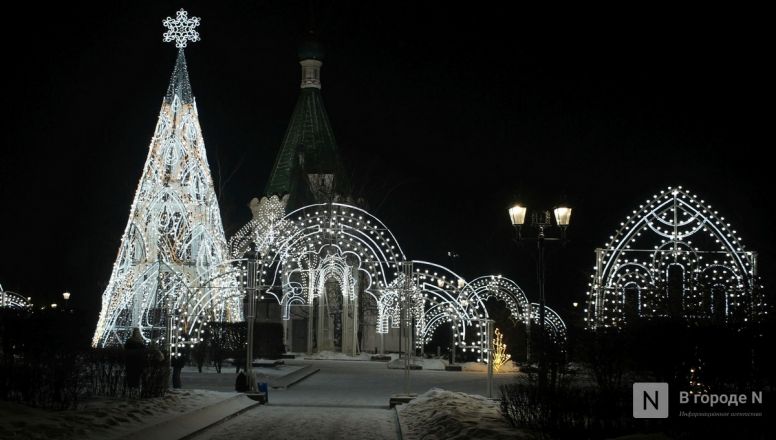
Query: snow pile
[337, 356]
[101, 418]
[441, 414]
[509, 367]
[427, 364]
[440, 364]
[280, 370]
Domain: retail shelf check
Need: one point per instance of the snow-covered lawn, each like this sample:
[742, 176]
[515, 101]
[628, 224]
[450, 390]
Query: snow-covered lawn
[441, 414]
[440, 364]
[427, 364]
[101, 418]
[508, 367]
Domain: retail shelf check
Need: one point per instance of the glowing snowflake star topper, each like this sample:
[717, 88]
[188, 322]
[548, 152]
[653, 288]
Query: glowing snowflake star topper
[181, 30]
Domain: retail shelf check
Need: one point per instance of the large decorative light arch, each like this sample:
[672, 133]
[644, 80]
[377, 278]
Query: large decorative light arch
[300, 251]
[13, 300]
[448, 298]
[675, 256]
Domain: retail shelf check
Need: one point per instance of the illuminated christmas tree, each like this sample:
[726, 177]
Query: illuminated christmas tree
[500, 355]
[172, 274]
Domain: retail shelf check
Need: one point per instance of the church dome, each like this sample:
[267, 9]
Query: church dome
[310, 48]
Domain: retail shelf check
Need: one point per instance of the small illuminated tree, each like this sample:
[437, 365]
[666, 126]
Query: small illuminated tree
[500, 355]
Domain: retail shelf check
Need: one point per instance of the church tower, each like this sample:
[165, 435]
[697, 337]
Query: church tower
[308, 167]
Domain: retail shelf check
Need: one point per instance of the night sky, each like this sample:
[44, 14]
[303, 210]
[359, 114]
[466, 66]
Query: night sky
[444, 115]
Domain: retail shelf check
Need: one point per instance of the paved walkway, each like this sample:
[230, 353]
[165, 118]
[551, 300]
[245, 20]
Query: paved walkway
[343, 400]
[370, 384]
[308, 422]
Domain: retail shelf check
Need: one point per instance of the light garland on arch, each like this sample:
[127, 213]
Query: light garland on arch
[674, 257]
[300, 251]
[13, 300]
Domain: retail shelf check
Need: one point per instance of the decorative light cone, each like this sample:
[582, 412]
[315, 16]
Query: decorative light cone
[171, 269]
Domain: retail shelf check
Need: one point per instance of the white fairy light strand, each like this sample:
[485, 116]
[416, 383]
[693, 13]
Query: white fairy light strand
[13, 300]
[300, 251]
[677, 233]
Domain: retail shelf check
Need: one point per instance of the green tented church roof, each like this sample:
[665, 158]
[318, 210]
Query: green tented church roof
[308, 147]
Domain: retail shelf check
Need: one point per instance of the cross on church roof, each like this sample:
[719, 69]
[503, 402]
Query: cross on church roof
[181, 30]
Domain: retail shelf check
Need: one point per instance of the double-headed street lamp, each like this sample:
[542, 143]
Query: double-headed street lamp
[540, 222]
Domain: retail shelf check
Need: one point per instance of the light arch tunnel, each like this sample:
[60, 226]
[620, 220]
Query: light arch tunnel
[13, 300]
[674, 257]
[296, 256]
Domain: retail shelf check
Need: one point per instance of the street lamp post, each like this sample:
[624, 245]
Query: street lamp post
[66, 296]
[406, 319]
[251, 288]
[541, 222]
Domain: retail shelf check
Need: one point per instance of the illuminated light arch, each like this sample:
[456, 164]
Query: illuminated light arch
[173, 300]
[438, 290]
[13, 300]
[218, 296]
[300, 251]
[505, 290]
[674, 257]
[319, 246]
[552, 322]
[449, 299]
[261, 231]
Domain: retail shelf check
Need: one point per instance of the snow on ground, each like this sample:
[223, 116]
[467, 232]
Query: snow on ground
[101, 418]
[280, 370]
[508, 367]
[308, 422]
[343, 400]
[440, 364]
[441, 414]
[335, 355]
[427, 364]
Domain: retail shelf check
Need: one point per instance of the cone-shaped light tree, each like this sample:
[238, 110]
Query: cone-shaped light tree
[172, 272]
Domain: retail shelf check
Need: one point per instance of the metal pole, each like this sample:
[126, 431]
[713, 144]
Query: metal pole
[452, 350]
[490, 357]
[405, 308]
[251, 288]
[356, 288]
[406, 357]
[169, 339]
[320, 328]
[310, 310]
[542, 363]
[528, 343]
